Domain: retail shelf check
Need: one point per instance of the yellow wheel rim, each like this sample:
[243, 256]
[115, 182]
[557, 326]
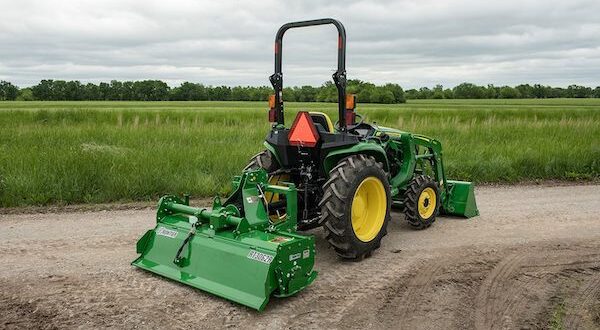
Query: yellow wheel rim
[368, 209]
[427, 203]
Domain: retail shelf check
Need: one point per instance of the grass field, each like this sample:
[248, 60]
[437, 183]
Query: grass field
[74, 152]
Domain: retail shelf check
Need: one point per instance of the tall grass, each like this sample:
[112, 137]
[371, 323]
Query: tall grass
[73, 152]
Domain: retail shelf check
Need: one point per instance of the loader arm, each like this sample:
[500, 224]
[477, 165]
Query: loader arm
[458, 197]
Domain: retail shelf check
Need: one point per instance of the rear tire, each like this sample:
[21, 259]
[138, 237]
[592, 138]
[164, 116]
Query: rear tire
[264, 160]
[358, 181]
[421, 202]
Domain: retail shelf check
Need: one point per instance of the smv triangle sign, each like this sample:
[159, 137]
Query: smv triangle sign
[303, 132]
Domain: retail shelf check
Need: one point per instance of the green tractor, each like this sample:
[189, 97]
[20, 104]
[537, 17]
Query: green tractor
[344, 176]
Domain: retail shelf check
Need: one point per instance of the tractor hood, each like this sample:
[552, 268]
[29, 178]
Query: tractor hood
[392, 132]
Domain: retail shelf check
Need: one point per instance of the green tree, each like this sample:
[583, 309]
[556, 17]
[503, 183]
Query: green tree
[219, 93]
[91, 92]
[577, 91]
[147, 90]
[25, 94]
[469, 91]
[525, 91]
[448, 93]
[306, 94]
[411, 94]
[396, 91]
[327, 93]
[366, 92]
[492, 92]
[59, 90]
[73, 91]
[43, 90]
[539, 91]
[116, 91]
[239, 93]
[289, 94]
[384, 96]
[260, 93]
[8, 91]
[507, 92]
[189, 92]
[127, 90]
[438, 92]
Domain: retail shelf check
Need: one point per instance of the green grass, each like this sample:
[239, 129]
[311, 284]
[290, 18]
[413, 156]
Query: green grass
[558, 315]
[74, 152]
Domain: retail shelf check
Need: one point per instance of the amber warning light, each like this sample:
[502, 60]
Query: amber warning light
[350, 102]
[303, 132]
[272, 116]
[350, 105]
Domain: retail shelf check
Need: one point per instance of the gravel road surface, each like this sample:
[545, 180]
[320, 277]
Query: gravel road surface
[531, 260]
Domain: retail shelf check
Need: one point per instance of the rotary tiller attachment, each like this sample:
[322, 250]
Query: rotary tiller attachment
[242, 251]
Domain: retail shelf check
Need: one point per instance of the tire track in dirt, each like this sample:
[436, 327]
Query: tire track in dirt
[344, 286]
[586, 302]
[435, 285]
[491, 302]
[520, 288]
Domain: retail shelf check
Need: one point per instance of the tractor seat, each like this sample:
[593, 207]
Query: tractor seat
[320, 128]
[322, 122]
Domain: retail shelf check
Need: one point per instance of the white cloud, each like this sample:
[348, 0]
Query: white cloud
[413, 43]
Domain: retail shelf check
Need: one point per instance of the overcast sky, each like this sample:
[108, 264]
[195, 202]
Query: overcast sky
[413, 43]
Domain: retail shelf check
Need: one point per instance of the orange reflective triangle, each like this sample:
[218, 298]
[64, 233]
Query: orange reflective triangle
[303, 132]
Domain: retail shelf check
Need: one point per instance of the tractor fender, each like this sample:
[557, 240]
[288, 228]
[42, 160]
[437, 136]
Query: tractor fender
[364, 148]
[272, 151]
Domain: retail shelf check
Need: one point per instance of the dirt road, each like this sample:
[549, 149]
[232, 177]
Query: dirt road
[531, 260]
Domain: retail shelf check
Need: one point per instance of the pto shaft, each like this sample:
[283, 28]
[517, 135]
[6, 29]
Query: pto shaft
[204, 215]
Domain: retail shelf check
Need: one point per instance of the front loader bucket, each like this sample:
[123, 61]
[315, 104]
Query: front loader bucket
[246, 269]
[460, 200]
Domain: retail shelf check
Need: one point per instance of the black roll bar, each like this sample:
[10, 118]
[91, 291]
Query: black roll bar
[339, 77]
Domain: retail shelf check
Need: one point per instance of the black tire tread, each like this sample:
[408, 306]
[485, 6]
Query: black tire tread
[263, 159]
[338, 193]
[411, 198]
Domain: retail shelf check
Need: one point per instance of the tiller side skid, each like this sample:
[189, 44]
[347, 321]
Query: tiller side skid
[241, 257]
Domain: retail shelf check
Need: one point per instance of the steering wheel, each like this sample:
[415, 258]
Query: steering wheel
[350, 127]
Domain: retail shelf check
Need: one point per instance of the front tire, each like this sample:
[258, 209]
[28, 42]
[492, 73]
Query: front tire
[421, 202]
[355, 208]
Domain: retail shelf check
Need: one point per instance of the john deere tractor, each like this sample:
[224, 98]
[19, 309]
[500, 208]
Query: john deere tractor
[344, 176]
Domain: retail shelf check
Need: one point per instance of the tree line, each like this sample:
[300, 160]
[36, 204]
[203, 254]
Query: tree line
[523, 91]
[156, 90]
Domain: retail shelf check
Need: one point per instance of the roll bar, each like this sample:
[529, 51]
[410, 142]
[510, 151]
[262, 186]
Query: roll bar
[339, 77]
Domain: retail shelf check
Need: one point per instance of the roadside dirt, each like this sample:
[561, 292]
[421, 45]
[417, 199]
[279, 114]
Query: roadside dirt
[531, 260]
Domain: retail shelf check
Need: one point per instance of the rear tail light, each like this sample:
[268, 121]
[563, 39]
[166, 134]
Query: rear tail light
[350, 117]
[272, 116]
